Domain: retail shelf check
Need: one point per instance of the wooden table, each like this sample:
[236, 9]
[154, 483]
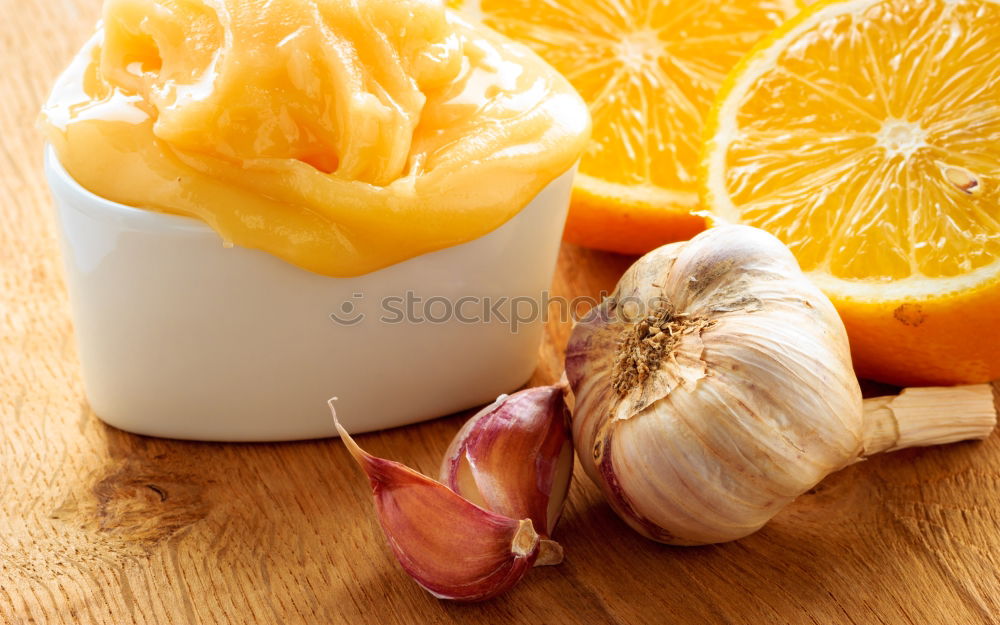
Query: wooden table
[100, 526]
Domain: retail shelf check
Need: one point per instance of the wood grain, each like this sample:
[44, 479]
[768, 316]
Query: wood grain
[99, 526]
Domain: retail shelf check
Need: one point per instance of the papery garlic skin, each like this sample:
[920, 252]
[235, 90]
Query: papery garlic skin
[515, 457]
[753, 402]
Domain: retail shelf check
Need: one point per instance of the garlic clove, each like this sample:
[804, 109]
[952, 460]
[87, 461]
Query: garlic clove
[515, 457]
[451, 547]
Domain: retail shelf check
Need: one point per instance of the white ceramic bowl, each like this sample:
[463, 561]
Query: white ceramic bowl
[182, 337]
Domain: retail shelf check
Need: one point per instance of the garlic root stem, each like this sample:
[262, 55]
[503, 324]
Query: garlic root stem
[549, 552]
[922, 416]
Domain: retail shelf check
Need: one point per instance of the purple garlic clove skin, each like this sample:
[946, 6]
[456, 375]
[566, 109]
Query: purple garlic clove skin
[451, 547]
[515, 457]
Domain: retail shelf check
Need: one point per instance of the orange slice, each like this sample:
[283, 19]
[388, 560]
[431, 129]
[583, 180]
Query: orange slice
[649, 70]
[866, 135]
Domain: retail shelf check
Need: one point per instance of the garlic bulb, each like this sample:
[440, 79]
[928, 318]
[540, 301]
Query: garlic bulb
[714, 386]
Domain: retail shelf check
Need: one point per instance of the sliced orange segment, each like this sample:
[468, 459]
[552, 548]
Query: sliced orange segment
[649, 69]
[866, 135]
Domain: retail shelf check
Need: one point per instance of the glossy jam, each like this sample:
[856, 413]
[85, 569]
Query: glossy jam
[340, 136]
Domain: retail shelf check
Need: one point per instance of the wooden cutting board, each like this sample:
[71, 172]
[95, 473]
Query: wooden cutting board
[100, 526]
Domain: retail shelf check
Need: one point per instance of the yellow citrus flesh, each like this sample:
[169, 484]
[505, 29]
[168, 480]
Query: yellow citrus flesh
[649, 71]
[866, 135]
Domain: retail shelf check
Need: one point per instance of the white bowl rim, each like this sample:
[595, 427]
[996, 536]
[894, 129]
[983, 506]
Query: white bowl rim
[97, 206]
[145, 218]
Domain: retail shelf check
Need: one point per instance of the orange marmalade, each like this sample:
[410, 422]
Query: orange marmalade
[340, 135]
